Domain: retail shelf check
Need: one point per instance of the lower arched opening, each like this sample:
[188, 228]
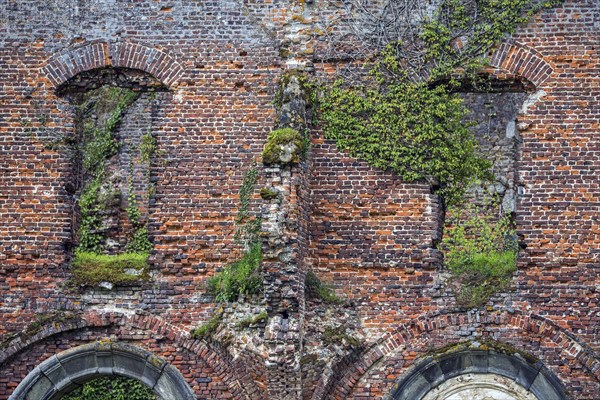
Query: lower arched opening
[69, 370]
[478, 375]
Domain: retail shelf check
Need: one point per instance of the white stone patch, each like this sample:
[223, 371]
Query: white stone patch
[106, 285]
[479, 387]
[511, 129]
[531, 100]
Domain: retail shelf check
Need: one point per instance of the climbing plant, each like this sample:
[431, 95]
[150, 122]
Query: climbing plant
[99, 145]
[111, 388]
[242, 277]
[100, 114]
[480, 251]
[246, 225]
[403, 114]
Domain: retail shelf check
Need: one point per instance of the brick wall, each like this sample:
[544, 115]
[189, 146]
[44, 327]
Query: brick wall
[361, 230]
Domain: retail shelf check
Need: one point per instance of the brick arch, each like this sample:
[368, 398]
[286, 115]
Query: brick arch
[521, 61]
[57, 375]
[433, 372]
[346, 376]
[94, 55]
[232, 372]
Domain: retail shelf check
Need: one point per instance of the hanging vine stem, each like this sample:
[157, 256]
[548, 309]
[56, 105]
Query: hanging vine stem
[431, 38]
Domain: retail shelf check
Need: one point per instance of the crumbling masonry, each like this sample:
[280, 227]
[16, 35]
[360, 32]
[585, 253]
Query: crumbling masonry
[212, 80]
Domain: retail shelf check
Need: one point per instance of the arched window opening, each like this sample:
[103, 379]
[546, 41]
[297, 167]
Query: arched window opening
[480, 241]
[104, 365]
[113, 150]
[478, 375]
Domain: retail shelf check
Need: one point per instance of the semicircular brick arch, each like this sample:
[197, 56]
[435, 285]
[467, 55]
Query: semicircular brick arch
[433, 372]
[523, 62]
[94, 55]
[232, 372]
[342, 382]
[63, 372]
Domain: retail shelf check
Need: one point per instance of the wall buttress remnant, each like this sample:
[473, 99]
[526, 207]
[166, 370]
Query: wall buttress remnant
[354, 301]
[282, 265]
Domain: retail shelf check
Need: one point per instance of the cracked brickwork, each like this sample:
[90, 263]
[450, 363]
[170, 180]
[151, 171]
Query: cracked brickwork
[362, 231]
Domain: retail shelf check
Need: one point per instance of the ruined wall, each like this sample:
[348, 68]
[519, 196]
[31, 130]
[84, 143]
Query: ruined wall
[360, 230]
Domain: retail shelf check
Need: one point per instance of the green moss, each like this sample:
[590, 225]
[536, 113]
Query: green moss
[92, 269]
[308, 88]
[447, 349]
[338, 335]
[284, 146]
[309, 359]
[36, 326]
[208, 329]
[268, 193]
[241, 277]
[507, 349]
[480, 345]
[261, 318]
[315, 289]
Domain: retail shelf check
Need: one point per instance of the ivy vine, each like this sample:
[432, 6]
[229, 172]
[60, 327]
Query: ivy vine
[111, 388]
[242, 277]
[404, 115]
[100, 113]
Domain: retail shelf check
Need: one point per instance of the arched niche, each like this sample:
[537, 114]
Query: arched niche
[478, 375]
[69, 369]
[117, 114]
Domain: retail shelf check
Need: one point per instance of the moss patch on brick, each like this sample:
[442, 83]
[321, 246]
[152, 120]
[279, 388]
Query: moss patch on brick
[315, 289]
[260, 318]
[338, 335]
[207, 330]
[284, 146]
[268, 193]
[92, 269]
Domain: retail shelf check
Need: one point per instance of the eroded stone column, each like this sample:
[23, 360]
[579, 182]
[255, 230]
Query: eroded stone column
[283, 275]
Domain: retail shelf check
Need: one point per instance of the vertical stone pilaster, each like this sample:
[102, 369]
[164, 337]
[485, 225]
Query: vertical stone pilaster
[282, 267]
[284, 286]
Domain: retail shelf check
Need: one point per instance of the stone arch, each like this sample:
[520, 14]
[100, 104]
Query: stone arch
[432, 372]
[521, 61]
[95, 55]
[62, 372]
[345, 376]
[232, 372]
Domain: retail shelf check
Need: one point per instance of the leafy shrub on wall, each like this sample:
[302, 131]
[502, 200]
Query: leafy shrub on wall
[480, 251]
[112, 388]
